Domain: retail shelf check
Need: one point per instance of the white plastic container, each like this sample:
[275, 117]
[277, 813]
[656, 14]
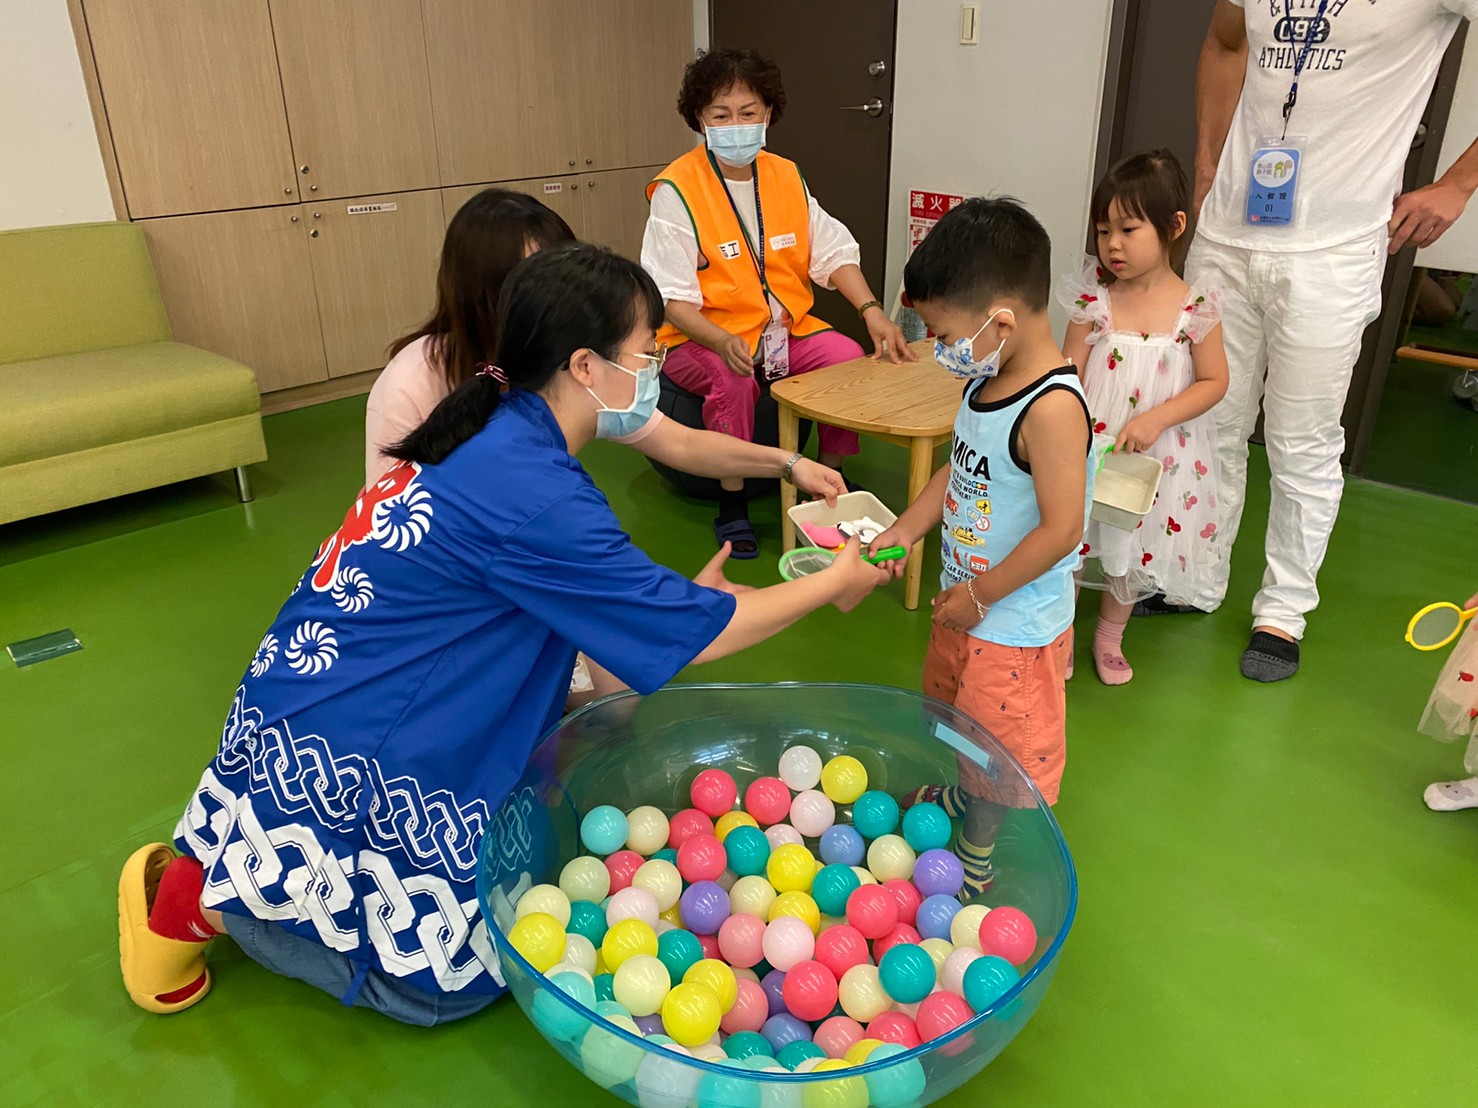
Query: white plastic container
[1124, 490]
[850, 506]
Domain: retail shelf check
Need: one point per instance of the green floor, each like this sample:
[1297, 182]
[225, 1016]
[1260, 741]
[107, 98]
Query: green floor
[1268, 913]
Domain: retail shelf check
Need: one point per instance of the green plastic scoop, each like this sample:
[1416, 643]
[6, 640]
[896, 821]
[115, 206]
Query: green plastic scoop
[806, 560]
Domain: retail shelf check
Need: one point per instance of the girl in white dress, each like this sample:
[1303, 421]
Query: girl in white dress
[1153, 366]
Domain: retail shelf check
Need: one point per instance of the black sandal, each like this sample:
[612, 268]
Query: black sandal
[739, 534]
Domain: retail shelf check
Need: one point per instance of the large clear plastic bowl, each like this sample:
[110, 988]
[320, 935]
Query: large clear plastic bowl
[629, 750]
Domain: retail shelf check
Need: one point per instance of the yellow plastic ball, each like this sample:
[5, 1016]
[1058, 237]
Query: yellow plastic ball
[843, 779]
[672, 916]
[660, 878]
[792, 868]
[840, 1092]
[858, 1052]
[540, 938]
[862, 995]
[799, 905]
[864, 875]
[730, 820]
[627, 939]
[641, 984]
[646, 830]
[719, 977]
[891, 858]
[548, 899]
[691, 1013]
[752, 895]
[585, 878]
[965, 928]
[939, 950]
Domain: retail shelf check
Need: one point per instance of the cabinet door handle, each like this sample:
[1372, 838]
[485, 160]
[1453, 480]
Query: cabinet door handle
[287, 192]
[302, 169]
[317, 215]
[589, 161]
[572, 161]
[313, 234]
[312, 188]
[293, 218]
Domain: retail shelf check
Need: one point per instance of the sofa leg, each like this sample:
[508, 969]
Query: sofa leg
[243, 485]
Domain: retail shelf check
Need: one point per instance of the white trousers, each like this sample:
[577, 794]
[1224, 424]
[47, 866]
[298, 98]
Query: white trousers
[1292, 329]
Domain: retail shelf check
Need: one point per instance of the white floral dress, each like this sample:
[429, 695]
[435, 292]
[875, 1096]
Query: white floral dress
[1175, 549]
[1452, 710]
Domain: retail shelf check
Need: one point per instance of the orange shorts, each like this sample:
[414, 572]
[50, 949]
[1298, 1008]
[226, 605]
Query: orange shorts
[1018, 694]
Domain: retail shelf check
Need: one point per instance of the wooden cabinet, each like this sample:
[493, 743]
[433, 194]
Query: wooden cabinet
[358, 95]
[194, 104]
[374, 267]
[616, 208]
[560, 194]
[239, 284]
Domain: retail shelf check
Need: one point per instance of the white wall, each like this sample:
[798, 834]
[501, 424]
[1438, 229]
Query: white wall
[1458, 249]
[51, 170]
[1017, 114]
[701, 32]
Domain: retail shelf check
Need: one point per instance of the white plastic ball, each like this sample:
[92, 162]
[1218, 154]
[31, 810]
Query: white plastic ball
[939, 950]
[952, 977]
[781, 834]
[641, 984]
[812, 813]
[580, 951]
[646, 830]
[660, 878]
[545, 898]
[864, 875]
[632, 903]
[964, 930]
[752, 895]
[800, 768]
[568, 966]
[585, 878]
[890, 858]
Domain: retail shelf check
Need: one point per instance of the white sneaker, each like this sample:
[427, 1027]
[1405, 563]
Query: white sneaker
[1452, 796]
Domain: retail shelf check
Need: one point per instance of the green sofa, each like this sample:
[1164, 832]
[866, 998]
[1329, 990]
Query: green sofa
[96, 399]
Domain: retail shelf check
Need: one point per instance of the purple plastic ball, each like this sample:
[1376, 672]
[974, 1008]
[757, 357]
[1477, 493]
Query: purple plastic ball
[704, 907]
[936, 914]
[773, 982]
[785, 1028]
[650, 1025]
[938, 873]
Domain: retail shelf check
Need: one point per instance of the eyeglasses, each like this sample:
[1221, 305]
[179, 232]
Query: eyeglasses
[654, 361]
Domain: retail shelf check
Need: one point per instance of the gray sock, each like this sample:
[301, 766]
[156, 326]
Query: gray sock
[1269, 658]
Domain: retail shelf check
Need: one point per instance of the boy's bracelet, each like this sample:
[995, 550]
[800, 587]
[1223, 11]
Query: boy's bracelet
[980, 609]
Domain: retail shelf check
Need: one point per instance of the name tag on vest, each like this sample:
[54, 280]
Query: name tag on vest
[729, 250]
[780, 242]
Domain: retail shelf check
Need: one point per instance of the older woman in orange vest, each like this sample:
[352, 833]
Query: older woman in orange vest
[735, 241]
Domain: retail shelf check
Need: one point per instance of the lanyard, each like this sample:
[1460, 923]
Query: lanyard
[1303, 56]
[759, 225]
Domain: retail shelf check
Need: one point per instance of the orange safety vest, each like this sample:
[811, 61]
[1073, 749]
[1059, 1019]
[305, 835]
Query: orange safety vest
[728, 263]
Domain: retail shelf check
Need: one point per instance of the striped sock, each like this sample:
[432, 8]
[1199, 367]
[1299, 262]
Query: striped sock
[949, 797]
[978, 871]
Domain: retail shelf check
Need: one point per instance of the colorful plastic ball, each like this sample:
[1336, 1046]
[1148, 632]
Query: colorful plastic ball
[580, 952]
[811, 813]
[704, 907]
[894, 1027]
[691, 1013]
[987, 979]
[717, 976]
[810, 991]
[608, 1059]
[685, 825]
[646, 830]
[797, 1051]
[747, 850]
[903, 935]
[753, 895]
[1009, 933]
[585, 878]
[875, 814]
[667, 854]
[603, 830]
[792, 868]
[730, 822]
[926, 827]
[783, 834]
[740, 939]
[935, 915]
[632, 903]
[907, 897]
[713, 792]
[773, 984]
[701, 858]
[787, 942]
[831, 888]
[641, 984]
[800, 768]
[663, 1081]
[540, 938]
[840, 948]
[722, 1090]
[890, 858]
[726, 879]
[872, 910]
[662, 880]
[621, 867]
[749, 973]
[605, 987]
[799, 905]
[861, 1051]
[843, 779]
[837, 1034]
[709, 943]
[767, 800]
[907, 973]
[626, 939]
[865, 875]
[810, 1064]
[750, 1009]
[938, 872]
[842, 845]
[549, 899]
[783, 1029]
[900, 1084]
[673, 916]
[939, 950]
[940, 1013]
[558, 1020]
[679, 951]
[964, 929]
[709, 1052]
[747, 1044]
[862, 995]
[952, 976]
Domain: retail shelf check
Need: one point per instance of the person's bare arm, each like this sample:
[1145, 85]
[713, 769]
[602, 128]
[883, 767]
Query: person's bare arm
[1219, 76]
[710, 454]
[1075, 346]
[1209, 359]
[849, 281]
[689, 319]
[1423, 215]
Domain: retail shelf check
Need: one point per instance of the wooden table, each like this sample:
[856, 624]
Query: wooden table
[912, 405]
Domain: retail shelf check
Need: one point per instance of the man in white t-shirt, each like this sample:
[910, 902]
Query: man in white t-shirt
[1322, 98]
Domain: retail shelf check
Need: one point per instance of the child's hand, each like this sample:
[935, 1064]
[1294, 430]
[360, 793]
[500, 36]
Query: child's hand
[1138, 435]
[854, 578]
[954, 610]
[893, 536]
[712, 576]
[1472, 601]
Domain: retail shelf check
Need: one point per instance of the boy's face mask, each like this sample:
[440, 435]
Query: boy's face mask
[959, 356]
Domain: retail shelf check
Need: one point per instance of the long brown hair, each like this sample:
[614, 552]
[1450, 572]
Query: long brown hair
[487, 237]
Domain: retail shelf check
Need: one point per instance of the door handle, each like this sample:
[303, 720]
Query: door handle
[873, 107]
[1420, 138]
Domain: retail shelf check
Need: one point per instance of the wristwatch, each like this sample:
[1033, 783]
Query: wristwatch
[787, 471]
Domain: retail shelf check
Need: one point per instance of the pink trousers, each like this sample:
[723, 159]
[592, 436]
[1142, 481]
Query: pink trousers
[728, 399]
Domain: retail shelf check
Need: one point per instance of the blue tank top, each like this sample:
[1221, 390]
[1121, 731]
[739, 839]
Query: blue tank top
[991, 505]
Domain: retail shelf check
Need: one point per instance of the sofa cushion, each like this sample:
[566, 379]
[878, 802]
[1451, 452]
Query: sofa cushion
[54, 406]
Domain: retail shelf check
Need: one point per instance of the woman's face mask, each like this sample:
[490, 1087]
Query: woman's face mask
[736, 144]
[617, 423]
[959, 356]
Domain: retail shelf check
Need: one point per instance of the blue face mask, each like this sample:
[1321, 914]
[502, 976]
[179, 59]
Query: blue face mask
[617, 423]
[959, 357]
[738, 145]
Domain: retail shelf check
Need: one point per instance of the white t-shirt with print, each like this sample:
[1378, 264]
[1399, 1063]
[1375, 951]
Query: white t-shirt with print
[1364, 86]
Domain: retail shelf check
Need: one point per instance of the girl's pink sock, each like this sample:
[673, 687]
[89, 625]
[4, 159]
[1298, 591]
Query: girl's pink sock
[1108, 652]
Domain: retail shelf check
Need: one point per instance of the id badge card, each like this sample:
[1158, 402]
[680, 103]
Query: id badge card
[1272, 184]
[775, 351]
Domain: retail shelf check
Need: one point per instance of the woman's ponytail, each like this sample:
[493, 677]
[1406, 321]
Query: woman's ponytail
[464, 413]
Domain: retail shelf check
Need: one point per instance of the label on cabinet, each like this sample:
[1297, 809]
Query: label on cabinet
[551, 187]
[370, 209]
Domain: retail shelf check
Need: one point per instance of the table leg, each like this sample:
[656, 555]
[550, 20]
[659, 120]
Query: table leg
[790, 437]
[920, 469]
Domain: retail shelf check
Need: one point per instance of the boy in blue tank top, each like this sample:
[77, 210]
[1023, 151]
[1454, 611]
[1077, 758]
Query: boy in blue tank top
[1011, 504]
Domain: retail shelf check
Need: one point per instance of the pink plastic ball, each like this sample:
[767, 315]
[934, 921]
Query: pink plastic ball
[908, 897]
[1009, 933]
[903, 933]
[741, 940]
[709, 943]
[685, 825]
[837, 1035]
[622, 867]
[841, 947]
[872, 910]
[952, 976]
[940, 1013]
[810, 991]
[787, 942]
[632, 903]
[750, 1010]
[701, 858]
[713, 792]
[895, 1027]
[767, 800]
[783, 834]
[812, 813]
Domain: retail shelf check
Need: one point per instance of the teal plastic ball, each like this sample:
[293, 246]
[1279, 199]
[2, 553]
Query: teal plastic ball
[907, 973]
[832, 886]
[926, 827]
[748, 1044]
[679, 951]
[987, 979]
[589, 919]
[603, 830]
[794, 1053]
[898, 1085]
[748, 850]
[875, 814]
